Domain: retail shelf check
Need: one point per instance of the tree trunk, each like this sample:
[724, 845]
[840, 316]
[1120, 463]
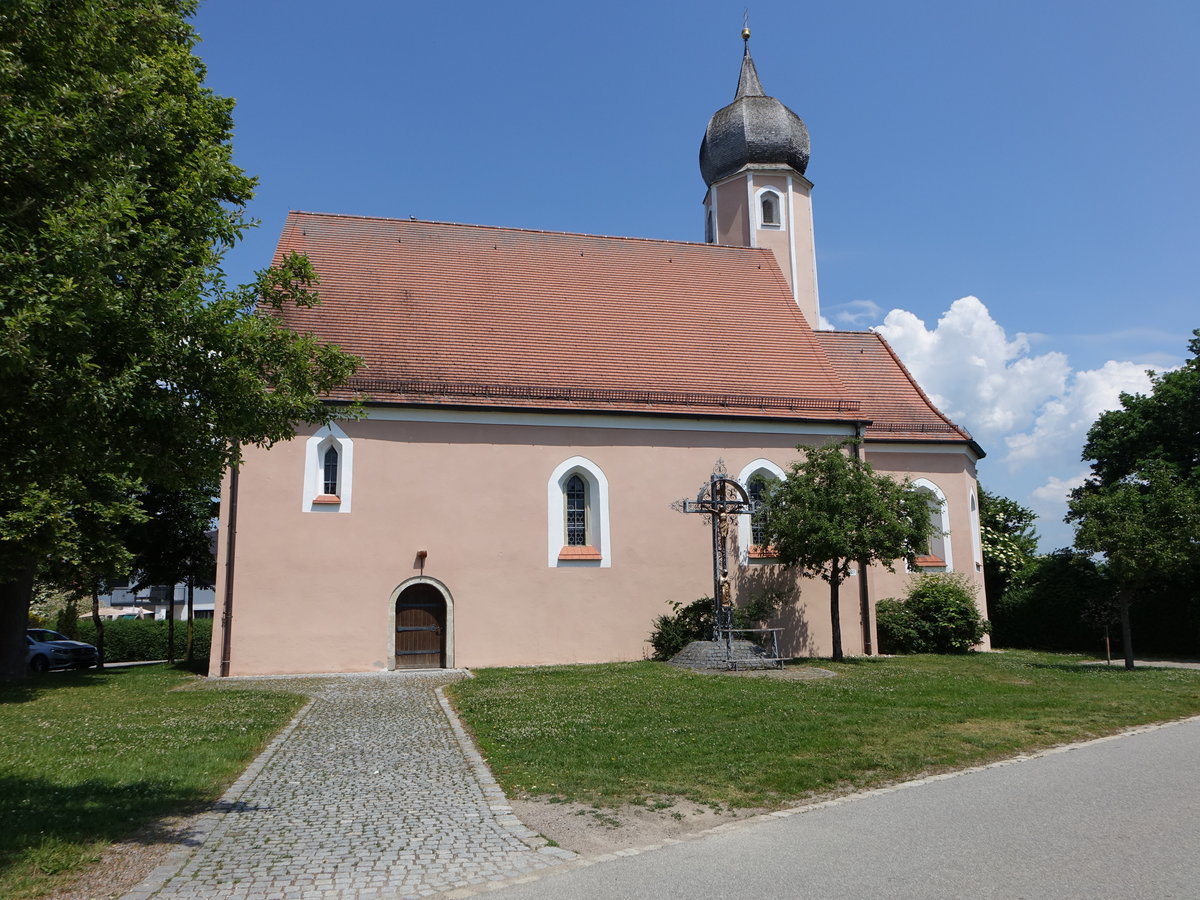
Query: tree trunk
[191, 584]
[99, 623]
[171, 627]
[1126, 632]
[835, 612]
[14, 619]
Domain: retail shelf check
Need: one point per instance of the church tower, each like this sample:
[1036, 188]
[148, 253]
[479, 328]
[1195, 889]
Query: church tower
[753, 157]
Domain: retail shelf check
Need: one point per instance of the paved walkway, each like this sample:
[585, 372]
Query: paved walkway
[372, 792]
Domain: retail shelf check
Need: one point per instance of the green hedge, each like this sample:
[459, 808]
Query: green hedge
[136, 640]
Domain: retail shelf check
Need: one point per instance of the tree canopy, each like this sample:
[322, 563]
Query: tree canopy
[833, 512]
[1140, 506]
[1008, 538]
[125, 361]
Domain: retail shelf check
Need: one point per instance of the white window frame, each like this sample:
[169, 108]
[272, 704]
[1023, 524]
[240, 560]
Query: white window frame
[759, 196]
[745, 530]
[556, 513]
[314, 470]
[941, 519]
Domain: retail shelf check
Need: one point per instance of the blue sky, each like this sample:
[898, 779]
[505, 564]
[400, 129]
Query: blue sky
[1038, 156]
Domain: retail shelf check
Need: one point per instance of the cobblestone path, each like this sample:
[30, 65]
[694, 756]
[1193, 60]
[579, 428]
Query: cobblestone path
[372, 793]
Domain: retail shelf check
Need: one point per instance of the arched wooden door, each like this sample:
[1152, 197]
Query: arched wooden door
[420, 628]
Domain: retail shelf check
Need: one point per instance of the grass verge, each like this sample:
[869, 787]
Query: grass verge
[632, 732]
[86, 758]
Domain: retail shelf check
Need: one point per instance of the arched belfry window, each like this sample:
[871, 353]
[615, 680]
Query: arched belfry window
[770, 209]
[577, 515]
[330, 465]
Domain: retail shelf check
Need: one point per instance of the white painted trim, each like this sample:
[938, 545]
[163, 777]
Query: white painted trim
[812, 230]
[944, 517]
[976, 532]
[395, 595]
[314, 470]
[914, 447]
[606, 420]
[556, 512]
[791, 217]
[744, 533]
[751, 217]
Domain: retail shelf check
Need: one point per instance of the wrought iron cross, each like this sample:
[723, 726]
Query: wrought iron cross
[721, 499]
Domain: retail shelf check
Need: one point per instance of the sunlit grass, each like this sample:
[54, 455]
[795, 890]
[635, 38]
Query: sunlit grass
[627, 732]
[88, 757]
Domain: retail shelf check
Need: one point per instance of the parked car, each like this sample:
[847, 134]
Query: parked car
[51, 650]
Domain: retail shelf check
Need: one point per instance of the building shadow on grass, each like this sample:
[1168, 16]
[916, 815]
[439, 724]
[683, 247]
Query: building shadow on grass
[36, 813]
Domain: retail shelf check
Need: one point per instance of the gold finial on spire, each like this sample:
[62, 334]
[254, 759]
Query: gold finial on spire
[746, 25]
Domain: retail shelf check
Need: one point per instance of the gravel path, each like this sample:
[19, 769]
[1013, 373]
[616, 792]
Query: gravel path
[373, 791]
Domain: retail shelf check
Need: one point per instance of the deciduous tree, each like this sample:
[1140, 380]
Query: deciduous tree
[834, 512]
[1008, 538]
[1140, 506]
[125, 360]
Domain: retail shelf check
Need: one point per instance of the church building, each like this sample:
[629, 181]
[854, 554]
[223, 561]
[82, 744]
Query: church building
[534, 404]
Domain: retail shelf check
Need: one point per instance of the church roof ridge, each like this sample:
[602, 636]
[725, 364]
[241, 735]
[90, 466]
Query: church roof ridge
[539, 231]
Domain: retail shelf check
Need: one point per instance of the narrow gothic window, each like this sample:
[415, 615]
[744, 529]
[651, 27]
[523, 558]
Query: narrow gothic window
[331, 471]
[770, 209]
[756, 488]
[576, 496]
[708, 227]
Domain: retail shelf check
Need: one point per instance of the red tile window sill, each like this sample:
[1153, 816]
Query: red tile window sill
[579, 553]
[757, 552]
[331, 499]
[930, 562]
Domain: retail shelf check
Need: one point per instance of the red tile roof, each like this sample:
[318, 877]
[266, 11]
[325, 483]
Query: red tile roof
[891, 398]
[468, 315]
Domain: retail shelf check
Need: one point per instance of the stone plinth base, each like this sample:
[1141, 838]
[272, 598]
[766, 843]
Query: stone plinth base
[711, 655]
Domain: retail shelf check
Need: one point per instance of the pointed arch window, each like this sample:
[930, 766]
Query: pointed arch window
[330, 465]
[757, 489]
[328, 471]
[576, 512]
[758, 477]
[577, 515]
[937, 555]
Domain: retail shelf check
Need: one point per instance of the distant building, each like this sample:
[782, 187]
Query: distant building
[535, 402]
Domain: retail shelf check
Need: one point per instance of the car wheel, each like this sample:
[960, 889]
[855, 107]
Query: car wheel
[39, 664]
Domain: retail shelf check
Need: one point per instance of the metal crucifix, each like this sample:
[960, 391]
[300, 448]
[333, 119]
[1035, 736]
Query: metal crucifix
[721, 499]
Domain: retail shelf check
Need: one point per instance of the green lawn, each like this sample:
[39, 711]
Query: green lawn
[88, 757]
[609, 734]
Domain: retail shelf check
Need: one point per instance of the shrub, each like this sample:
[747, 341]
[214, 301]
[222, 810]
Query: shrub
[694, 622]
[139, 640]
[937, 615]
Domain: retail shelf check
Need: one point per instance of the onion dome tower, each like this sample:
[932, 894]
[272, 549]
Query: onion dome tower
[753, 159]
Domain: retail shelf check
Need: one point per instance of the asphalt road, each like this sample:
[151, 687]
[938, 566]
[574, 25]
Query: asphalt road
[1114, 819]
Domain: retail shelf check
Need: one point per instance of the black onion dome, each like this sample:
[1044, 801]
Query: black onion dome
[754, 128]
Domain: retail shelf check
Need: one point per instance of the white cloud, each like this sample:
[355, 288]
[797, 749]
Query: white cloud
[1031, 410]
[1068, 416]
[855, 314]
[973, 371]
[1056, 489]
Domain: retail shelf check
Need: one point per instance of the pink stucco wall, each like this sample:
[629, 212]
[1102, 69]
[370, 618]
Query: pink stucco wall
[314, 592]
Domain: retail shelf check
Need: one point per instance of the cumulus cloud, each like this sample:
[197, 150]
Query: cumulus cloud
[1067, 417]
[1030, 411]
